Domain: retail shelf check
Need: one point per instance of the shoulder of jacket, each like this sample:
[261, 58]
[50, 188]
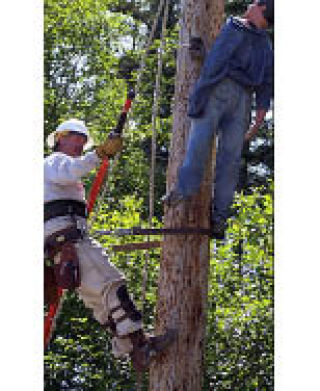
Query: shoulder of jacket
[56, 156]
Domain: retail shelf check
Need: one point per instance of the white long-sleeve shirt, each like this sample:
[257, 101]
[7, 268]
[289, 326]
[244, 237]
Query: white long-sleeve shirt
[63, 173]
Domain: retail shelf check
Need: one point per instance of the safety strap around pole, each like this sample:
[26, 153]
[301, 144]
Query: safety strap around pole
[136, 246]
[155, 231]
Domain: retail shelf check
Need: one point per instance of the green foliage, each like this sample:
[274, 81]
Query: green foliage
[240, 319]
[81, 41]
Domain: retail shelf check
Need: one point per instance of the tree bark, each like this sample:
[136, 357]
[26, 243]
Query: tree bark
[183, 278]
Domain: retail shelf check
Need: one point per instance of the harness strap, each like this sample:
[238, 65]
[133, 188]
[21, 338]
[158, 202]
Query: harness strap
[120, 318]
[65, 207]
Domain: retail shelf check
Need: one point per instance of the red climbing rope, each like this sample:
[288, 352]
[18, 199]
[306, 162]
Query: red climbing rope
[97, 183]
[50, 317]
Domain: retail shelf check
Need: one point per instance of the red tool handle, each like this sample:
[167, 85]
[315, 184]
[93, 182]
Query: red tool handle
[50, 317]
[97, 183]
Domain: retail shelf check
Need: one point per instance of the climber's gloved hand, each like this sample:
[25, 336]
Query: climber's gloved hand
[110, 147]
[197, 49]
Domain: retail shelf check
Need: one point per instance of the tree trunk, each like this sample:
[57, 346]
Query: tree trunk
[183, 279]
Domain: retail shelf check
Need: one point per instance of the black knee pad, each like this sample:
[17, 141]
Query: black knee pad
[127, 304]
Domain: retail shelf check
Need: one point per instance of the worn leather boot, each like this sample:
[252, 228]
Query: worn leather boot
[146, 348]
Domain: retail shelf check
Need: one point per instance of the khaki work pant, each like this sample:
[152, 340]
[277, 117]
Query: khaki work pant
[100, 280]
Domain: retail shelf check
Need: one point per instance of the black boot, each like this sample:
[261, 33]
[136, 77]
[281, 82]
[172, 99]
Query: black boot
[218, 225]
[218, 228]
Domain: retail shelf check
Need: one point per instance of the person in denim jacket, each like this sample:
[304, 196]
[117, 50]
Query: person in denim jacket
[239, 64]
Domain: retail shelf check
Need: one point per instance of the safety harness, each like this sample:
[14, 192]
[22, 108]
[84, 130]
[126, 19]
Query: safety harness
[62, 269]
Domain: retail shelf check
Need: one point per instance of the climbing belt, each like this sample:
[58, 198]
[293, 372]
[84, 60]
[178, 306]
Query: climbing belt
[155, 231]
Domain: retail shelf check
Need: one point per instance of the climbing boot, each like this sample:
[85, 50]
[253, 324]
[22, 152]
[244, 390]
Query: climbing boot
[173, 198]
[146, 348]
[218, 227]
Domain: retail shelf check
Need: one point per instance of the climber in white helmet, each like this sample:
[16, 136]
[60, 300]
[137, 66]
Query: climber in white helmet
[79, 261]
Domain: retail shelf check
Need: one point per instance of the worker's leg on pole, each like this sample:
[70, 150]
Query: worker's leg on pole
[228, 161]
[102, 290]
[200, 143]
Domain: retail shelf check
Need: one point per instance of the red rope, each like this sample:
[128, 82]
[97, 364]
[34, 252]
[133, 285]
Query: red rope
[95, 188]
[127, 105]
[49, 319]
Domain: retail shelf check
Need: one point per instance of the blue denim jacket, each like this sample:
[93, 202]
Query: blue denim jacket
[241, 53]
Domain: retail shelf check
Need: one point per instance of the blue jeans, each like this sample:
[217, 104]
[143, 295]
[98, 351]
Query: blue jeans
[227, 113]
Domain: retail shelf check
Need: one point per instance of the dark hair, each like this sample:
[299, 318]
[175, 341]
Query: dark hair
[56, 146]
[269, 12]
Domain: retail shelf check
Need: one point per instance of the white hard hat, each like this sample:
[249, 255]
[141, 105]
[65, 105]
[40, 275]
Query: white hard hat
[73, 125]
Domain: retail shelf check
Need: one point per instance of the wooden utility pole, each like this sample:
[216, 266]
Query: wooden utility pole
[183, 279]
